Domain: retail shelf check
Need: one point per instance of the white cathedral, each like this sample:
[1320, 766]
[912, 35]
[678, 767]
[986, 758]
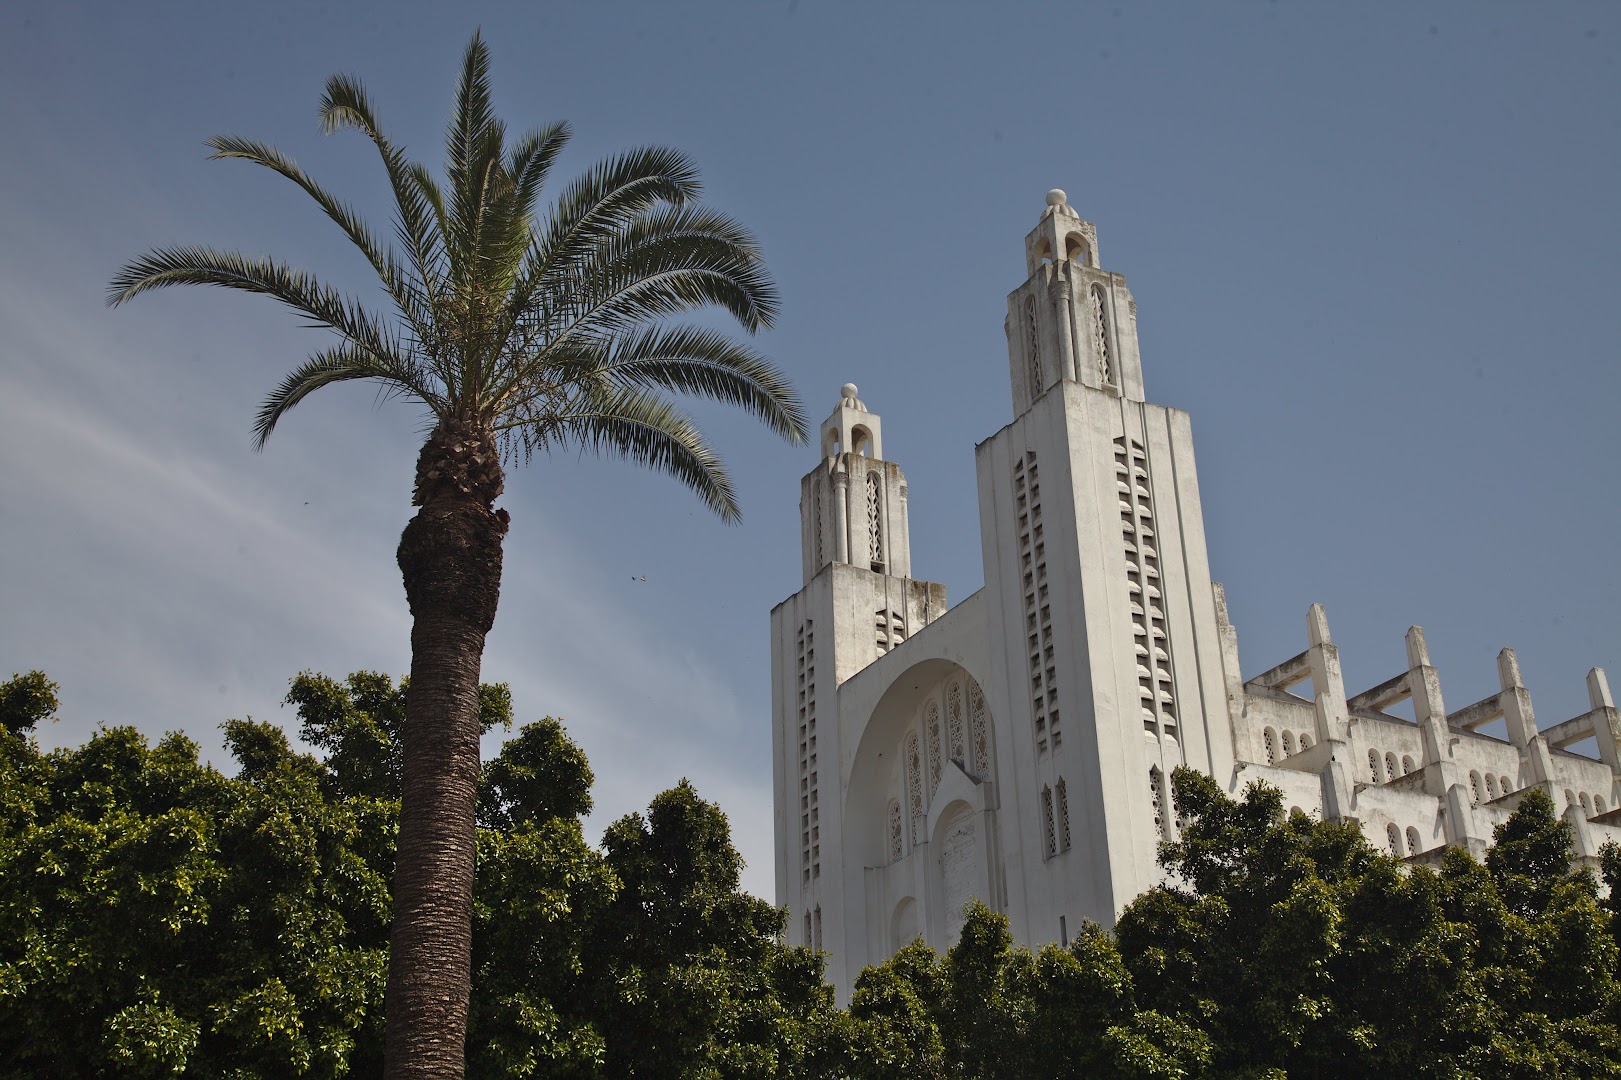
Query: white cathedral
[1017, 748]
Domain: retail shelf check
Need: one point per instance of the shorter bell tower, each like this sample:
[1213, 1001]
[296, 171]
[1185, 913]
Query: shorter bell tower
[858, 604]
[853, 508]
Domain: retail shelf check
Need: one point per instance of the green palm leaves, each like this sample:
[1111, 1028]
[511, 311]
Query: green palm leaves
[546, 328]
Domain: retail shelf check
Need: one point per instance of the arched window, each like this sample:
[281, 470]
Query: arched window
[914, 783]
[931, 725]
[1491, 787]
[1048, 833]
[1587, 805]
[980, 731]
[1406, 764]
[1390, 767]
[816, 928]
[1033, 343]
[1288, 743]
[1270, 738]
[1570, 796]
[1393, 837]
[875, 524]
[894, 830]
[1063, 816]
[1100, 337]
[955, 740]
[1505, 788]
[1373, 765]
[1293, 810]
[1305, 742]
[1412, 840]
[1474, 787]
[1156, 785]
[1598, 805]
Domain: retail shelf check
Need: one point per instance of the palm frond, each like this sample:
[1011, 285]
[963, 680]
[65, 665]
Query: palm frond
[303, 293]
[606, 198]
[673, 259]
[686, 360]
[346, 104]
[511, 224]
[644, 428]
[708, 364]
[406, 295]
[344, 363]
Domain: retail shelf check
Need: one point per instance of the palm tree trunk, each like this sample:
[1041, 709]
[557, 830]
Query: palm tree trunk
[450, 558]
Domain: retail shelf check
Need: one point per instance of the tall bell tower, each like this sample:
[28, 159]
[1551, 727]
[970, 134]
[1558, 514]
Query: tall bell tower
[1097, 576]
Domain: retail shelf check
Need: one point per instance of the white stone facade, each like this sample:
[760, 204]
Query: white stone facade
[1017, 748]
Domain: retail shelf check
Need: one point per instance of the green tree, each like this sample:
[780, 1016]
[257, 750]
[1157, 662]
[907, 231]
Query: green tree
[160, 919]
[691, 980]
[518, 332]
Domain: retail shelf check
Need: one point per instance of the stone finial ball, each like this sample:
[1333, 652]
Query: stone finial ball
[848, 390]
[1056, 197]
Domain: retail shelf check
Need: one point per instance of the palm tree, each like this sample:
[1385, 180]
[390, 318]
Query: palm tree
[519, 332]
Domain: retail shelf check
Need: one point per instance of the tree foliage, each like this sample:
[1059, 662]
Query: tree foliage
[159, 918]
[1280, 947]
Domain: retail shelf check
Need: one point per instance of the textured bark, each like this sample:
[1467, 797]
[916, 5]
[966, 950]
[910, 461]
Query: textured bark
[450, 558]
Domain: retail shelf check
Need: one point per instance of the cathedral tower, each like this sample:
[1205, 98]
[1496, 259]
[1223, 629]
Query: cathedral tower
[1097, 575]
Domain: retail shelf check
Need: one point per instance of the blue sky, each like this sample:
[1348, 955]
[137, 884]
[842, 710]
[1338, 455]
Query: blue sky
[1373, 248]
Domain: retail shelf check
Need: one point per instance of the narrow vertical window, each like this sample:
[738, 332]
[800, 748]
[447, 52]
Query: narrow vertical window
[875, 524]
[914, 784]
[1406, 764]
[1474, 787]
[1393, 838]
[1049, 836]
[808, 938]
[1288, 743]
[931, 714]
[1156, 787]
[817, 525]
[1587, 806]
[1270, 738]
[979, 728]
[1305, 742]
[956, 740]
[816, 928]
[1100, 337]
[894, 830]
[1412, 840]
[1063, 816]
[1033, 347]
[1373, 767]
[1390, 767]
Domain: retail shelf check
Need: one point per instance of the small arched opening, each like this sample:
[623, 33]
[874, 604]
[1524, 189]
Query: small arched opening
[860, 441]
[1075, 249]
